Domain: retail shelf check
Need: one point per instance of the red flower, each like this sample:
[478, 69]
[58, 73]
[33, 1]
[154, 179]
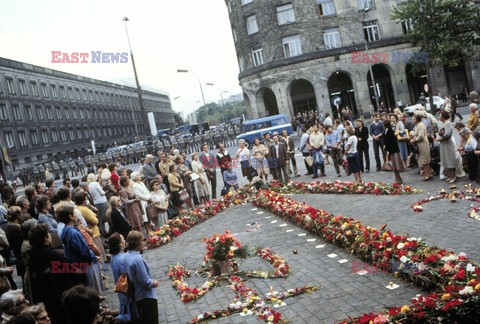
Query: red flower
[366, 318]
[460, 275]
[392, 311]
[451, 304]
[419, 315]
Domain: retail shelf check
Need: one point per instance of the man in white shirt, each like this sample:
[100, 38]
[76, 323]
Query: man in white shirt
[328, 120]
[317, 140]
[304, 149]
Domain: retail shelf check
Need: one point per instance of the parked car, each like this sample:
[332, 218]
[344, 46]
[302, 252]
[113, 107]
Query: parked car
[258, 127]
[437, 101]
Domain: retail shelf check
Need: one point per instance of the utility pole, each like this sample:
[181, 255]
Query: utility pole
[430, 81]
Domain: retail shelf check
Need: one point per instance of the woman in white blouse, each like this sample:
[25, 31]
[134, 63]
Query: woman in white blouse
[160, 202]
[202, 185]
[99, 201]
[243, 154]
[142, 193]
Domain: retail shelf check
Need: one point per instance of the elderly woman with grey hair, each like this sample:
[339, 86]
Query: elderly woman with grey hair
[24, 204]
[99, 201]
[12, 303]
[447, 147]
[469, 147]
[243, 154]
[143, 194]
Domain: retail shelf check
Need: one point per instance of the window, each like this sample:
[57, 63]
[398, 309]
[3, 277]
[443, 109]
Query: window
[70, 93]
[49, 113]
[82, 113]
[327, 7]
[63, 134]
[62, 92]
[44, 90]
[90, 92]
[77, 93]
[244, 2]
[84, 92]
[28, 112]
[331, 38]
[97, 98]
[16, 112]
[74, 113]
[54, 90]
[407, 26]
[33, 136]
[89, 113]
[364, 4]
[67, 113]
[86, 133]
[285, 14]
[370, 30]
[55, 136]
[252, 26]
[34, 88]
[59, 113]
[45, 137]
[292, 46]
[11, 88]
[3, 112]
[39, 112]
[9, 139]
[257, 56]
[22, 138]
[72, 134]
[79, 133]
[229, 6]
[23, 87]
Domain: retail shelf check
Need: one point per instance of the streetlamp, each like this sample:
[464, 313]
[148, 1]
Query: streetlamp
[430, 82]
[365, 10]
[139, 89]
[221, 96]
[199, 83]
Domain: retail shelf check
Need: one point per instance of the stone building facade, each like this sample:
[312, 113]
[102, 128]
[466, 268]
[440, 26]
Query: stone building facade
[47, 114]
[296, 55]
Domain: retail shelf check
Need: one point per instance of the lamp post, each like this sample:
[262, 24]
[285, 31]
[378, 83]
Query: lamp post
[221, 96]
[365, 10]
[199, 83]
[430, 82]
[139, 89]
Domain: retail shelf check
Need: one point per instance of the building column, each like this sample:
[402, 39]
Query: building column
[399, 84]
[284, 103]
[362, 95]
[322, 96]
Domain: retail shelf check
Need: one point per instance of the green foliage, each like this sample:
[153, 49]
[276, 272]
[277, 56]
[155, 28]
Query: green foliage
[178, 119]
[452, 28]
[218, 114]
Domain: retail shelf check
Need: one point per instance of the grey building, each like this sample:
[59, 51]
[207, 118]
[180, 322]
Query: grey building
[47, 114]
[296, 55]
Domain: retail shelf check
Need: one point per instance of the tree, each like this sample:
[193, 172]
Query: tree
[451, 27]
[178, 119]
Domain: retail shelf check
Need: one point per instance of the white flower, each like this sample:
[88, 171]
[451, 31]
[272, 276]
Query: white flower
[217, 239]
[400, 246]
[403, 259]
[200, 317]
[307, 219]
[410, 239]
[451, 257]
[470, 268]
[462, 254]
[389, 239]
[467, 291]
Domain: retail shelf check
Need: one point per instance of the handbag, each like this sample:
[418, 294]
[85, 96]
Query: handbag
[309, 160]
[405, 137]
[387, 166]
[124, 285]
[194, 177]
[183, 195]
[152, 212]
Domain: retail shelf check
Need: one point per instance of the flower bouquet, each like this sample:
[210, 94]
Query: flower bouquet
[221, 252]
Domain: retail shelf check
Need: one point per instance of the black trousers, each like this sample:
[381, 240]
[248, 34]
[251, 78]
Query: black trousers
[361, 153]
[309, 168]
[472, 162]
[213, 183]
[147, 311]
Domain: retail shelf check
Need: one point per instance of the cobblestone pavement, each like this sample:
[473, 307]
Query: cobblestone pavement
[342, 292]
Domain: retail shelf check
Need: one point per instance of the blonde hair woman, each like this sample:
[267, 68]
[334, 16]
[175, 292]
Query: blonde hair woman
[259, 161]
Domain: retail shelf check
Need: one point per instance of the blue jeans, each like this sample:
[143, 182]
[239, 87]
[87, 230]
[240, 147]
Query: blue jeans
[316, 164]
[402, 146]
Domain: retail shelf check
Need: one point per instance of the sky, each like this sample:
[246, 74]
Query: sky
[164, 35]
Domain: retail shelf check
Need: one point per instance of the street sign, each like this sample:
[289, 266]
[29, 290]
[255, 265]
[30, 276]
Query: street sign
[336, 101]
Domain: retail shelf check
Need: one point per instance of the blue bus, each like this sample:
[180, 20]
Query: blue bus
[258, 127]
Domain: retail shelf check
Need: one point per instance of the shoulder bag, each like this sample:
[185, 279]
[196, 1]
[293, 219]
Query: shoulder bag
[124, 285]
